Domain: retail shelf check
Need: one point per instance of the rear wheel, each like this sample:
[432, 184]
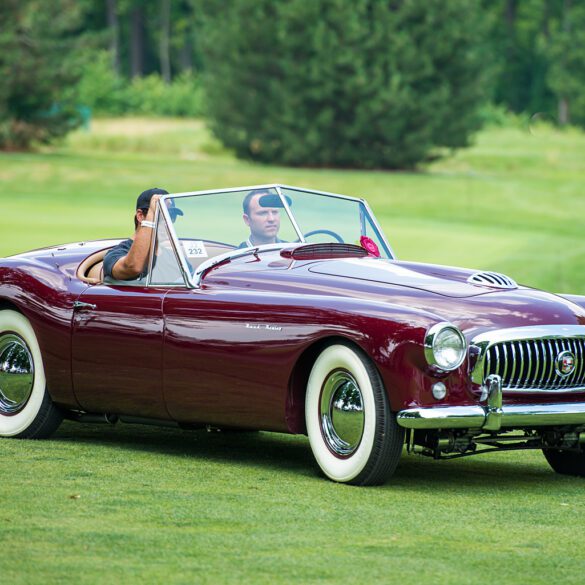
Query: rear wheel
[566, 462]
[353, 434]
[26, 409]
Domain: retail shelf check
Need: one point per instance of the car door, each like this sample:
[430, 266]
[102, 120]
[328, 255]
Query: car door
[118, 334]
[117, 350]
[229, 353]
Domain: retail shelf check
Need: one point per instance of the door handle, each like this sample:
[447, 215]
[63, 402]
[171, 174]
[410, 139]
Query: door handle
[80, 306]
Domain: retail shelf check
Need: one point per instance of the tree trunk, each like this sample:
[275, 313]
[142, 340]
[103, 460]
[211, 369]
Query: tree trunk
[137, 42]
[564, 115]
[114, 26]
[186, 56]
[511, 13]
[564, 106]
[164, 50]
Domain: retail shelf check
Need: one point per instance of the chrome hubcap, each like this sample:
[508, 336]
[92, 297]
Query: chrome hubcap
[342, 413]
[16, 374]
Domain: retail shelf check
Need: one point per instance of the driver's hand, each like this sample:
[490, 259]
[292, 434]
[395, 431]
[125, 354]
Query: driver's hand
[154, 202]
[152, 208]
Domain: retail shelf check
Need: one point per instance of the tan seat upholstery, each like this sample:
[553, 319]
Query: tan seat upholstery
[91, 270]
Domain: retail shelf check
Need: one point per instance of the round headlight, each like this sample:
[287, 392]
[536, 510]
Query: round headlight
[445, 347]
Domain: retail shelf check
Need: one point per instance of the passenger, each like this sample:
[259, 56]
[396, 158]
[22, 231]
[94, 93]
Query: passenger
[264, 222]
[128, 260]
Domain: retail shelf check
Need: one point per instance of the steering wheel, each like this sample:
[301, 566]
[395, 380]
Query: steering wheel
[331, 233]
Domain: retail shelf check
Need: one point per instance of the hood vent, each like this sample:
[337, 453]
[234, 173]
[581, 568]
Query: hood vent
[493, 280]
[324, 251]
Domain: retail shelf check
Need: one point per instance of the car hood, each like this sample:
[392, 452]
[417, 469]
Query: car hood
[445, 292]
[441, 280]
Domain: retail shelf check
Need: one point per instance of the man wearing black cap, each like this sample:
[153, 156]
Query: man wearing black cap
[127, 260]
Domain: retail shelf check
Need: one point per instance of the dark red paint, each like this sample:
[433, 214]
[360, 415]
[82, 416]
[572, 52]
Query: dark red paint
[238, 351]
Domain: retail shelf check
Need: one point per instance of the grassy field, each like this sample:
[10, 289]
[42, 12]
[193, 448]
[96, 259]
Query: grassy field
[515, 202]
[131, 504]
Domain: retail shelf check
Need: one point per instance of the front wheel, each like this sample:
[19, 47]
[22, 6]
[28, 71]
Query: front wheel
[26, 409]
[566, 462]
[353, 434]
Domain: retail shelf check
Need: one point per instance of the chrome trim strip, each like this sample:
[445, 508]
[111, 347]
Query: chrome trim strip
[514, 363]
[442, 417]
[581, 359]
[573, 376]
[474, 417]
[521, 364]
[528, 376]
[506, 362]
[537, 390]
[530, 332]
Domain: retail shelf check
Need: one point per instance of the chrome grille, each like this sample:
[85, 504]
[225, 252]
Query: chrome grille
[527, 358]
[531, 363]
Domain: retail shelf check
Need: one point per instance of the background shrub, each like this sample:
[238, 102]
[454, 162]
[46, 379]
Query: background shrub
[105, 92]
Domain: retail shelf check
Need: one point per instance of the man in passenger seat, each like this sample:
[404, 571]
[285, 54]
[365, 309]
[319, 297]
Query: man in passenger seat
[128, 260]
[263, 221]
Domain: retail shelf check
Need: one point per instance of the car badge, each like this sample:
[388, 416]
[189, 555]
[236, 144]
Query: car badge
[565, 363]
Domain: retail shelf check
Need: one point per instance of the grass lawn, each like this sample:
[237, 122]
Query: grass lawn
[131, 504]
[515, 202]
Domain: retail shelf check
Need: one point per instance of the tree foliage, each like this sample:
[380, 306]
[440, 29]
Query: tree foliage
[357, 83]
[39, 68]
[566, 75]
[539, 46]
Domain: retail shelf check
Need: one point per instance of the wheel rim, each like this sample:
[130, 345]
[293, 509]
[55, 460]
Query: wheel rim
[342, 413]
[16, 374]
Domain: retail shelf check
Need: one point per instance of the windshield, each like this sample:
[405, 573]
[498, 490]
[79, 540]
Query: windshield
[209, 224]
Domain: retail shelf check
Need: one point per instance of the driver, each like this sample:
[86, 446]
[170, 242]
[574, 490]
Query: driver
[128, 260]
[264, 222]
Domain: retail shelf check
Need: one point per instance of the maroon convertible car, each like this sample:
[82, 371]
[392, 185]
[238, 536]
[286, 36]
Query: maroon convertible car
[321, 332]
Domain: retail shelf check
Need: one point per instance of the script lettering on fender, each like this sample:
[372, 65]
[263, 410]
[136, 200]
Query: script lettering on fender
[263, 326]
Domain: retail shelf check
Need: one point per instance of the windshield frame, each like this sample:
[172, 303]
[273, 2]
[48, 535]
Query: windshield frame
[194, 280]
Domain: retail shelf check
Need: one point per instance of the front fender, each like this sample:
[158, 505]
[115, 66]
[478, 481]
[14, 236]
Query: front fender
[45, 297]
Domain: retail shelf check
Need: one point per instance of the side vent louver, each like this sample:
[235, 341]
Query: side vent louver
[492, 279]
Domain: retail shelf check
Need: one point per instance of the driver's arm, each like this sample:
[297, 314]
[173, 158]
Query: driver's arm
[131, 266]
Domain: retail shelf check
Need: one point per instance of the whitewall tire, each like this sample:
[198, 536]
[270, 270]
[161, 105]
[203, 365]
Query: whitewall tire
[353, 434]
[26, 409]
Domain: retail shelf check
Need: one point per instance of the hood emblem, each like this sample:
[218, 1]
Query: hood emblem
[565, 363]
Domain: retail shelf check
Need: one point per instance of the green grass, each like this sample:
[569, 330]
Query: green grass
[138, 505]
[515, 202]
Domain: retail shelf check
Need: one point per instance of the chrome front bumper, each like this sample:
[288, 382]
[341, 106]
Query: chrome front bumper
[493, 416]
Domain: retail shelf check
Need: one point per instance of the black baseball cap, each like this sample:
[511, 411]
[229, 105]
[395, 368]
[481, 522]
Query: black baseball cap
[144, 198]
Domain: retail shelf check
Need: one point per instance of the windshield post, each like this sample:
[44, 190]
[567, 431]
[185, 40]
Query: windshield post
[152, 245]
[162, 209]
[290, 214]
[379, 233]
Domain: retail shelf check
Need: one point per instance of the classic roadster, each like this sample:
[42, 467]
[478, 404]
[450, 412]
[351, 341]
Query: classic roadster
[320, 331]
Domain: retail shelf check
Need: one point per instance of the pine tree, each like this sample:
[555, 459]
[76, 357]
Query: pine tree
[353, 83]
[39, 70]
